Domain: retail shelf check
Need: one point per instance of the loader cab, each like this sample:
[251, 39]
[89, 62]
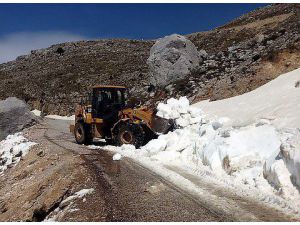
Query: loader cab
[107, 101]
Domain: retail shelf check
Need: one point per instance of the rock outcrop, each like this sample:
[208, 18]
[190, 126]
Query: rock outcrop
[14, 116]
[172, 58]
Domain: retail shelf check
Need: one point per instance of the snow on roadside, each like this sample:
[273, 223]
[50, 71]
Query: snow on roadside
[55, 117]
[254, 155]
[66, 205]
[36, 112]
[12, 149]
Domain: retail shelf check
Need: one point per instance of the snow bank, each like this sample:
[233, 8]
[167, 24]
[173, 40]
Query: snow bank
[55, 117]
[251, 141]
[249, 154]
[277, 104]
[283, 171]
[12, 149]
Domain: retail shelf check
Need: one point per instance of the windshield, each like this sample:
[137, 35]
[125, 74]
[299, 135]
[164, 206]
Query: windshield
[110, 96]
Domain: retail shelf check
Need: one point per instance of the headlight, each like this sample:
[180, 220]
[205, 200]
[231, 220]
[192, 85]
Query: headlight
[89, 110]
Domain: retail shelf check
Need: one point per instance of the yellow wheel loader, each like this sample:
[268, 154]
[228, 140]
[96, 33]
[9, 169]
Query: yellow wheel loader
[105, 115]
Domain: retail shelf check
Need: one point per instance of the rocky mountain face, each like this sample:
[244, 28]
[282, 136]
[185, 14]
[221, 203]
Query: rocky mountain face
[227, 61]
[67, 71]
[244, 54]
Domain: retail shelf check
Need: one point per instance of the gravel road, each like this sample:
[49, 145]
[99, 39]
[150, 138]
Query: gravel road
[131, 192]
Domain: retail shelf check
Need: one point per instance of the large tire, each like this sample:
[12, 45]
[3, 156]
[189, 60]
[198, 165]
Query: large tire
[130, 133]
[83, 133]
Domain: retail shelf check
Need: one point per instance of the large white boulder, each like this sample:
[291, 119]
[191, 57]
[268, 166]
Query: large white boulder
[172, 58]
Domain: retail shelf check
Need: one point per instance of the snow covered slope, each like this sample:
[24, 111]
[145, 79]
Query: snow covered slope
[278, 100]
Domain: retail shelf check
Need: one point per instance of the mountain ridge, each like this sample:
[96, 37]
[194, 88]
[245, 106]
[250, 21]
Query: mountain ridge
[241, 56]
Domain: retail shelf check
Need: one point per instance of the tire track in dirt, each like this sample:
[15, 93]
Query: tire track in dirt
[122, 184]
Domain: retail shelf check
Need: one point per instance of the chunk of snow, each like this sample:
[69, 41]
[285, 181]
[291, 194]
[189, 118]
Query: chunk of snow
[173, 108]
[195, 111]
[84, 192]
[117, 157]
[36, 112]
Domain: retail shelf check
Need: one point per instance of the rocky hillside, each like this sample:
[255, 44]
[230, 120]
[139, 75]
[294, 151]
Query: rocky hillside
[233, 59]
[248, 52]
[66, 71]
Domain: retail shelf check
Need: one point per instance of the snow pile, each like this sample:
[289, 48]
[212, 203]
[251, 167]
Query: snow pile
[212, 143]
[55, 117]
[66, 205]
[244, 155]
[255, 148]
[249, 154]
[117, 157]
[12, 149]
[180, 110]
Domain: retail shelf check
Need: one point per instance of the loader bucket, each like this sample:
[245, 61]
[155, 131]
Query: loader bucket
[162, 126]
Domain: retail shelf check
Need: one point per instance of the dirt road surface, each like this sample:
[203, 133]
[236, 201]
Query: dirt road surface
[123, 190]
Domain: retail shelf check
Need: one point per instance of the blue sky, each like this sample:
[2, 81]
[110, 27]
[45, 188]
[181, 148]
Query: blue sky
[32, 26]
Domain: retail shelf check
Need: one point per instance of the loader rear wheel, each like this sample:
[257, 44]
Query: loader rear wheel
[130, 133]
[82, 133]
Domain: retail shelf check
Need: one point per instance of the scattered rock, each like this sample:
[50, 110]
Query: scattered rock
[3, 161]
[19, 154]
[41, 153]
[216, 125]
[154, 188]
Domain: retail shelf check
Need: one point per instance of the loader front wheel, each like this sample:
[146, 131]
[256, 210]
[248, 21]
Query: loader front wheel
[130, 133]
[82, 133]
